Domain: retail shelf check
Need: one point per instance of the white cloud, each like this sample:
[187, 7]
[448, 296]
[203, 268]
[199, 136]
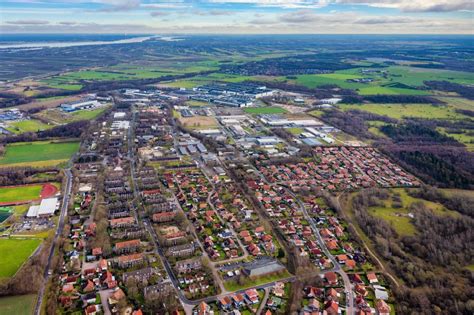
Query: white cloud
[27, 22]
[416, 5]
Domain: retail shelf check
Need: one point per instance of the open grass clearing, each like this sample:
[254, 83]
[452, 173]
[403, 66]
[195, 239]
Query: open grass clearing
[399, 218]
[416, 76]
[14, 253]
[466, 137]
[387, 90]
[264, 110]
[295, 130]
[199, 122]
[30, 125]
[399, 111]
[87, 114]
[458, 102]
[39, 151]
[232, 285]
[18, 304]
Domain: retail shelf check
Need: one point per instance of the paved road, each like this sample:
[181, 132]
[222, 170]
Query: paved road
[59, 229]
[337, 267]
[264, 301]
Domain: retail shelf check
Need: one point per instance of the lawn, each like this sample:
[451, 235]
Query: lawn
[295, 131]
[86, 114]
[20, 193]
[232, 285]
[18, 304]
[264, 110]
[399, 111]
[14, 253]
[31, 125]
[41, 153]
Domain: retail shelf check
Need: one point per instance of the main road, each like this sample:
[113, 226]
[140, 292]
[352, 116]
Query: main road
[66, 197]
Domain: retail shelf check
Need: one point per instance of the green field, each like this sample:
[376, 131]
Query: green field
[264, 110]
[295, 131]
[31, 125]
[40, 151]
[415, 76]
[315, 80]
[20, 193]
[86, 114]
[73, 80]
[388, 90]
[14, 253]
[18, 305]
[465, 137]
[396, 80]
[232, 285]
[458, 102]
[398, 217]
[399, 111]
[69, 87]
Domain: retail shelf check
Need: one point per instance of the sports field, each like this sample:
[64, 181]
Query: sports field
[18, 305]
[264, 110]
[14, 254]
[39, 153]
[20, 193]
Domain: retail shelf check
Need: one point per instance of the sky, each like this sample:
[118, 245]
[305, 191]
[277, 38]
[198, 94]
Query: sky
[238, 16]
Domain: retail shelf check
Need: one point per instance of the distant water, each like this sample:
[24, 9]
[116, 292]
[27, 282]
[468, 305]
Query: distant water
[36, 41]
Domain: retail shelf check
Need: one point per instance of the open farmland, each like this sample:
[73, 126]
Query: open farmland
[72, 80]
[393, 80]
[14, 253]
[399, 111]
[38, 153]
[19, 305]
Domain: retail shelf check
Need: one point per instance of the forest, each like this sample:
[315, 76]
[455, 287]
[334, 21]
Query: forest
[431, 263]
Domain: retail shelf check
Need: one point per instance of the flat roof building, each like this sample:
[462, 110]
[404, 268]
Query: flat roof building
[46, 208]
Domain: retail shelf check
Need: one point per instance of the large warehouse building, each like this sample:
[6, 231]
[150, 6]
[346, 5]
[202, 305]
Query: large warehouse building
[46, 208]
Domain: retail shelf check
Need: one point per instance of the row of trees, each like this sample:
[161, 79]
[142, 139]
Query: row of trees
[71, 130]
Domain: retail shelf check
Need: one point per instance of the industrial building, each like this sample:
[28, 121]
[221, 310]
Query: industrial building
[46, 208]
[88, 104]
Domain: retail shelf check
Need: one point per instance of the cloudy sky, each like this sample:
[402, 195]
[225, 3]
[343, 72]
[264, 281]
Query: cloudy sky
[238, 16]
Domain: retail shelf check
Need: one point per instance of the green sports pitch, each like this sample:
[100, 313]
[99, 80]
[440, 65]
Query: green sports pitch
[40, 153]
